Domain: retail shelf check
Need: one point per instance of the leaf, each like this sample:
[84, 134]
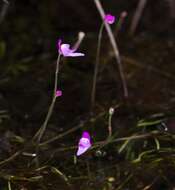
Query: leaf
[143, 123]
[123, 146]
[157, 143]
[36, 178]
[59, 173]
[141, 155]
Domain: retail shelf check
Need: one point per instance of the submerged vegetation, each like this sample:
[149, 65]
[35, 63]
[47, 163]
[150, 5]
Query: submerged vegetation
[102, 117]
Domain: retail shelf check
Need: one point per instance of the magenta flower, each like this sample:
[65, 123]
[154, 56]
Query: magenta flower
[84, 143]
[58, 93]
[66, 51]
[110, 19]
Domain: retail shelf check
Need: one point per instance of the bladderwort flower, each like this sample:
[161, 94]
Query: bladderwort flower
[58, 93]
[110, 19]
[106, 21]
[84, 143]
[66, 51]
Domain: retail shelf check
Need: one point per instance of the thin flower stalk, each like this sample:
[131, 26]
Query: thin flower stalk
[65, 51]
[42, 129]
[93, 93]
[137, 15]
[121, 19]
[111, 112]
[9, 185]
[110, 19]
[115, 48]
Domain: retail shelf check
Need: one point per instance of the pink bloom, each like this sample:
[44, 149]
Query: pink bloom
[58, 93]
[84, 143]
[66, 51]
[110, 19]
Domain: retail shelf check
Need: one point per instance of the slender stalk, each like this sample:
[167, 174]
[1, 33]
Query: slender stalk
[109, 126]
[93, 93]
[4, 9]
[42, 129]
[111, 112]
[9, 185]
[115, 48]
[11, 158]
[120, 23]
[137, 15]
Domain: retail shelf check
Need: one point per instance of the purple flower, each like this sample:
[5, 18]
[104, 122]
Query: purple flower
[66, 51]
[110, 19]
[84, 143]
[58, 93]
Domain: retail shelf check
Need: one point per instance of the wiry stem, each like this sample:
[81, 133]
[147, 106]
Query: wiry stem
[4, 10]
[120, 23]
[111, 112]
[115, 48]
[9, 185]
[137, 15]
[93, 93]
[42, 129]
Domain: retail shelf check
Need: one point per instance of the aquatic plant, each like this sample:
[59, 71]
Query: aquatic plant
[65, 51]
[110, 19]
[134, 143]
[107, 19]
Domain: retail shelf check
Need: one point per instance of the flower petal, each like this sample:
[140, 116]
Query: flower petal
[83, 146]
[59, 45]
[110, 19]
[65, 49]
[82, 150]
[86, 135]
[75, 54]
[84, 143]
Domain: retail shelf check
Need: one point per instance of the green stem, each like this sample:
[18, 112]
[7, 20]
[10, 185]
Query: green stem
[93, 94]
[42, 129]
